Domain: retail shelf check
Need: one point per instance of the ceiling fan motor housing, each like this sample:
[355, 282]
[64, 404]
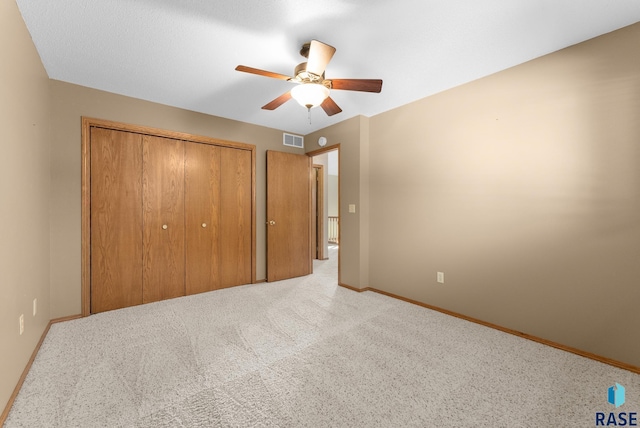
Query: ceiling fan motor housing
[304, 76]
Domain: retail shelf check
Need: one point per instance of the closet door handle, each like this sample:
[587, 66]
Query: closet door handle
[165, 227]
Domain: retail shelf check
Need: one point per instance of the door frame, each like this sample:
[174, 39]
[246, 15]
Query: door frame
[87, 124]
[318, 212]
[320, 152]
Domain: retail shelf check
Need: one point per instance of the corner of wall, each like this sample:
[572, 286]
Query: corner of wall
[25, 190]
[364, 201]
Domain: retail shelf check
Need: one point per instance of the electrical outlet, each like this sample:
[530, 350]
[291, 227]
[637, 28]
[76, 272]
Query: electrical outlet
[21, 323]
[35, 307]
[440, 277]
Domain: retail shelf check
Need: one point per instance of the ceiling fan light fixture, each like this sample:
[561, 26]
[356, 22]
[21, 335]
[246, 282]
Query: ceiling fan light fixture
[310, 95]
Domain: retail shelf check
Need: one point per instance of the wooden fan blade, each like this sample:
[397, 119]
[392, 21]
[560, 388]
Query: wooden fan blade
[319, 56]
[259, 72]
[363, 85]
[278, 101]
[330, 107]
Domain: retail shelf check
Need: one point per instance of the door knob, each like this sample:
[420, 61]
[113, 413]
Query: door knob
[271, 223]
[204, 224]
[164, 226]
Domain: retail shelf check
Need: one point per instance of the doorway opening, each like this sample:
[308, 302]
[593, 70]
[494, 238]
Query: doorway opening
[326, 204]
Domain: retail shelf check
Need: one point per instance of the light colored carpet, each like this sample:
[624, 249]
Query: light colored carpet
[305, 352]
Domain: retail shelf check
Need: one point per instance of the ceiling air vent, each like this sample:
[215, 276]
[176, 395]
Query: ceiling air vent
[293, 140]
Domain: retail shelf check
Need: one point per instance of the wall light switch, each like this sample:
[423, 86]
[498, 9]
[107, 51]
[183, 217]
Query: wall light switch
[21, 321]
[352, 208]
[35, 307]
[440, 277]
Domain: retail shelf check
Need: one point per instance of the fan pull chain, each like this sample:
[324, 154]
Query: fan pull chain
[309, 114]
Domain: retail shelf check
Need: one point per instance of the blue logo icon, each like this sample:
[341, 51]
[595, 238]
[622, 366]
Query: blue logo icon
[616, 395]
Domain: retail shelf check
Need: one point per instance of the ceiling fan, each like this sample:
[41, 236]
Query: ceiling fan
[313, 89]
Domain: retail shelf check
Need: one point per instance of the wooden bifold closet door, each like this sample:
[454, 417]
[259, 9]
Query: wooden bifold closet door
[163, 211]
[116, 219]
[168, 218]
[235, 219]
[202, 196]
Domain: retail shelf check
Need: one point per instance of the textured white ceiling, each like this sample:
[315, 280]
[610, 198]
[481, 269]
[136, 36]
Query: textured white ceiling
[183, 53]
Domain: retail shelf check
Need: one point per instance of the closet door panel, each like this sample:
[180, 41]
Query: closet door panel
[164, 229]
[202, 202]
[235, 217]
[116, 219]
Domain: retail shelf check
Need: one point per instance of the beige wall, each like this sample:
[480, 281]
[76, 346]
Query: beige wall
[332, 195]
[349, 134]
[70, 103]
[524, 189]
[24, 196]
